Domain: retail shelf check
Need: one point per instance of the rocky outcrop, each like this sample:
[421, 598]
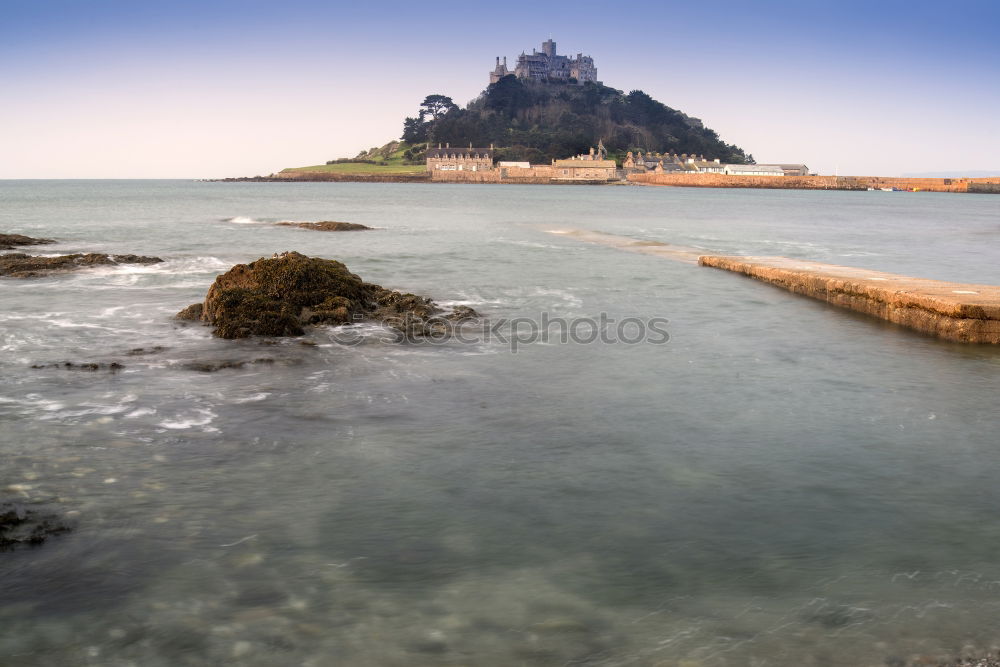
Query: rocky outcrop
[28, 524]
[8, 241]
[280, 295]
[326, 226]
[19, 265]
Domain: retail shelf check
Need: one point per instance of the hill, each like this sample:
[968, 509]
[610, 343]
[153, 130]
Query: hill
[538, 121]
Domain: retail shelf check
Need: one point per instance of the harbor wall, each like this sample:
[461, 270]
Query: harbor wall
[536, 175]
[819, 182]
[953, 311]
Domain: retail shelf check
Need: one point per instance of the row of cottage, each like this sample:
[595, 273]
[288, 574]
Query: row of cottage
[595, 166]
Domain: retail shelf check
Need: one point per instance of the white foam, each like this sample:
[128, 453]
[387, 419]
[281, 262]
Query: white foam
[202, 417]
[182, 266]
[94, 409]
[244, 220]
[35, 401]
[252, 399]
[529, 244]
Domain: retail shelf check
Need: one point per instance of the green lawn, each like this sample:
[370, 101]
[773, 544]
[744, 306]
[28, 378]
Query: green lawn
[362, 168]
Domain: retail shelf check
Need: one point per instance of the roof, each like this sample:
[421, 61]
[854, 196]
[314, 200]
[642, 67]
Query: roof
[754, 167]
[459, 152]
[594, 164]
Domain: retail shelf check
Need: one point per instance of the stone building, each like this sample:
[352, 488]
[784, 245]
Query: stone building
[668, 163]
[794, 169]
[459, 159]
[547, 64]
[593, 166]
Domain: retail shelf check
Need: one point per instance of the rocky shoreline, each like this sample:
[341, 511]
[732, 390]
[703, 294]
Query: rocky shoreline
[20, 265]
[322, 177]
[697, 180]
[9, 241]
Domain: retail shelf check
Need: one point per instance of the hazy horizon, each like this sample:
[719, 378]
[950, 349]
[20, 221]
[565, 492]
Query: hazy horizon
[187, 90]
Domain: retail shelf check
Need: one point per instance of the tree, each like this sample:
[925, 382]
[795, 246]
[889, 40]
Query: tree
[508, 96]
[436, 106]
[414, 131]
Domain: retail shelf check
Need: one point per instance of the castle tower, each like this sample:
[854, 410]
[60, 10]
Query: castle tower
[500, 71]
[549, 48]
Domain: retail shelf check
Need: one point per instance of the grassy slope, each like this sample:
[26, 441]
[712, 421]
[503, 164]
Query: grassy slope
[362, 168]
[394, 158]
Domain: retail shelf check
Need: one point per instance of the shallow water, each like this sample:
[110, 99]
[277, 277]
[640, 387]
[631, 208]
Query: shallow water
[781, 483]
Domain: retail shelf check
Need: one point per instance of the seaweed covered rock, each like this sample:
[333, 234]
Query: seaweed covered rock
[28, 524]
[327, 226]
[280, 295]
[192, 312]
[8, 241]
[20, 265]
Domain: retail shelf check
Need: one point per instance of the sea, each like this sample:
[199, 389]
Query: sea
[628, 460]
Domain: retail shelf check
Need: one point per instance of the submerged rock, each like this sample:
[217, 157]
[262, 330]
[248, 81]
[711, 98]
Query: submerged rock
[8, 241]
[20, 265]
[114, 366]
[326, 226]
[141, 351]
[220, 364]
[28, 524]
[280, 295]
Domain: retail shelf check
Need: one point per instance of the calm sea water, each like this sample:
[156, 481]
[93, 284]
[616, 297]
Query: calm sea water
[782, 483]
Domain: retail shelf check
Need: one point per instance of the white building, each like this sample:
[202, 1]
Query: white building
[753, 170]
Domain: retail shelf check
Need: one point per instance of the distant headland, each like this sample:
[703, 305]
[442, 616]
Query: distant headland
[550, 121]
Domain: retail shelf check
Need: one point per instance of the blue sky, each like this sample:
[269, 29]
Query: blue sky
[205, 89]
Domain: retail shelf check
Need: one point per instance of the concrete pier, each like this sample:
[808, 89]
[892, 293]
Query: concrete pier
[953, 311]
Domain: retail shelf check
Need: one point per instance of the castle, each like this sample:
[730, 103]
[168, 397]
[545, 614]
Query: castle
[548, 65]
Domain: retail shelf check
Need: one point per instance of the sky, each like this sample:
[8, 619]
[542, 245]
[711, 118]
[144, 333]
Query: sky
[181, 89]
